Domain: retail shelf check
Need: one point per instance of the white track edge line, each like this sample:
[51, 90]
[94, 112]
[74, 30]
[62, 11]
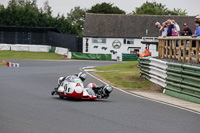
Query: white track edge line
[172, 105]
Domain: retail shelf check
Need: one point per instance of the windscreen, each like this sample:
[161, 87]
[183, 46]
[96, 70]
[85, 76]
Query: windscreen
[73, 79]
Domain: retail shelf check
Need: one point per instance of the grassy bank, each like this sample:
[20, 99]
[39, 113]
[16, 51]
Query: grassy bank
[128, 76]
[30, 55]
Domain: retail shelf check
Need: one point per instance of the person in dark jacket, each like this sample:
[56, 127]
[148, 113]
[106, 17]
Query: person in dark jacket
[170, 27]
[186, 31]
[171, 32]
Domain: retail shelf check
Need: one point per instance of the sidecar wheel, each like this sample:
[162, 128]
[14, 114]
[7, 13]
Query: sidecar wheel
[61, 97]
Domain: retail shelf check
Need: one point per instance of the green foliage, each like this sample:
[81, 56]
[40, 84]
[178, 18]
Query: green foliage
[106, 8]
[25, 13]
[77, 18]
[158, 9]
[178, 11]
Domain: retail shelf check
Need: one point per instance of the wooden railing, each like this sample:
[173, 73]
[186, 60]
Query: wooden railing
[175, 48]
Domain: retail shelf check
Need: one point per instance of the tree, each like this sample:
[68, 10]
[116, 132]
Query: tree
[25, 13]
[77, 18]
[157, 9]
[47, 8]
[178, 11]
[106, 8]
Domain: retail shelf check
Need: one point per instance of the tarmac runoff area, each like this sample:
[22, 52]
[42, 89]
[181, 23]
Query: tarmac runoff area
[165, 99]
[171, 100]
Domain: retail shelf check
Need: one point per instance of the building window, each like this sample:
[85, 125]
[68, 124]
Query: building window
[98, 40]
[128, 41]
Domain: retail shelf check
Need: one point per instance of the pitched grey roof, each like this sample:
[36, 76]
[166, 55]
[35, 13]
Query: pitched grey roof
[128, 26]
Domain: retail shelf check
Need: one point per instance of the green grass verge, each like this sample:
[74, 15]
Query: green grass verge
[30, 55]
[128, 77]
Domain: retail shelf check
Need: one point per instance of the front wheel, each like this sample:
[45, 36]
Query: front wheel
[53, 92]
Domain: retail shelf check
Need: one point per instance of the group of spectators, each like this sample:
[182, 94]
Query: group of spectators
[171, 28]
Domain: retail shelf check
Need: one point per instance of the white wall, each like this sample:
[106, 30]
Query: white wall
[122, 49]
[32, 48]
[25, 47]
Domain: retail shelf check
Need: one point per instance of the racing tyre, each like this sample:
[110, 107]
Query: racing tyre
[52, 93]
[61, 97]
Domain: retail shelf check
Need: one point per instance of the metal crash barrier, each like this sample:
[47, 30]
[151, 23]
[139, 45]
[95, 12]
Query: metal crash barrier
[178, 80]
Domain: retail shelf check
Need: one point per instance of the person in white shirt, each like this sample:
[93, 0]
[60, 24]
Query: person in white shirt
[177, 27]
[197, 18]
[164, 29]
[158, 25]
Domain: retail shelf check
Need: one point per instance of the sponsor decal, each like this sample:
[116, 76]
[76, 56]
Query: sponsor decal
[116, 44]
[77, 80]
[78, 84]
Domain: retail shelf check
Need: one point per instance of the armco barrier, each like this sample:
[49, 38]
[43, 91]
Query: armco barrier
[154, 70]
[181, 81]
[77, 55]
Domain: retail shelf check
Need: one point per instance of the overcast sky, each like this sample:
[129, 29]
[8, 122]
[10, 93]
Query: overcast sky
[64, 6]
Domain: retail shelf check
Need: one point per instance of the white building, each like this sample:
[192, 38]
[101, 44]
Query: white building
[115, 46]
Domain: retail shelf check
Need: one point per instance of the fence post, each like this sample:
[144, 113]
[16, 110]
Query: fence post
[197, 51]
[190, 51]
[184, 50]
[159, 48]
[174, 49]
[170, 50]
[179, 52]
[163, 48]
[166, 49]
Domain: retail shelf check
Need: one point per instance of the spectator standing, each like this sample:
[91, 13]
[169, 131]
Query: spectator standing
[158, 25]
[186, 30]
[197, 18]
[171, 29]
[176, 26]
[164, 29]
[197, 33]
[197, 24]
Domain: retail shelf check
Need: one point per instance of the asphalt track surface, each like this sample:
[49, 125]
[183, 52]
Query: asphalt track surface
[26, 105]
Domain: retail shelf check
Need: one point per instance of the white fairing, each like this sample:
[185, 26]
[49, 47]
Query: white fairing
[90, 85]
[68, 86]
[61, 89]
[78, 89]
[59, 80]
